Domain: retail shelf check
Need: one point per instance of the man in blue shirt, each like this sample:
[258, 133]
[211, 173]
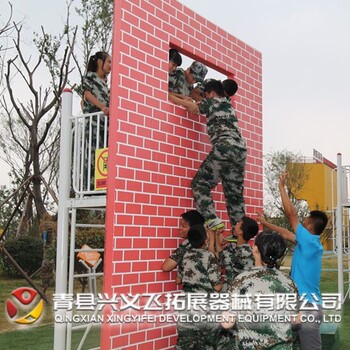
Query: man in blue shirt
[306, 265]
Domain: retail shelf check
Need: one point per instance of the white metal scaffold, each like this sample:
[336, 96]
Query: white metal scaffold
[341, 229]
[80, 136]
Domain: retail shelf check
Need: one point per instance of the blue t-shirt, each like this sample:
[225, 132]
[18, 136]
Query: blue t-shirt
[307, 264]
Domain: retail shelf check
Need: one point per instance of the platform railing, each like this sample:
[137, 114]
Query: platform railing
[89, 133]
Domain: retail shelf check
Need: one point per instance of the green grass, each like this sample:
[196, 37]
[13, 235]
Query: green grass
[7, 285]
[344, 331]
[41, 338]
[38, 337]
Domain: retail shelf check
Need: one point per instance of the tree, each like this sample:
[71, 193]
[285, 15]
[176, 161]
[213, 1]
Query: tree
[95, 32]
[97, 27]
[30, 130]
[275, 164]
[5, 29]
[8, 200]
[32, 146]
[7, 26]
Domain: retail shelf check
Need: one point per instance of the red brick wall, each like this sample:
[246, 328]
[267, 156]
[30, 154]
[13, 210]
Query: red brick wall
[156, 147]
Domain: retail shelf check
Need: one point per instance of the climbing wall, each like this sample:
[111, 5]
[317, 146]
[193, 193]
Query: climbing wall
[156, 147]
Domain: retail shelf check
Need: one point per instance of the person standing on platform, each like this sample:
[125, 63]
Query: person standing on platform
[96, 99]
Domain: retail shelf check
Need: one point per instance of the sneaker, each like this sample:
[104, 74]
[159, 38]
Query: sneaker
[214, 224]
[231, 239]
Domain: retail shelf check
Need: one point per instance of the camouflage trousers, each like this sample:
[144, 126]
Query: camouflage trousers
[202, 337]
[226, 163]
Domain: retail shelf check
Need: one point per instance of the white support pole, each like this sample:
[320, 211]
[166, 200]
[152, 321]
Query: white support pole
[63, 215]
[339, 226]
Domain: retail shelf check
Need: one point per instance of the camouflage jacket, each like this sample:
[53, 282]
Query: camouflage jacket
[99, 88]
[253, 331]
[178, 254]
[178, 83]
[222, 123]
[200, 86]
[199, 271]
[236, 259]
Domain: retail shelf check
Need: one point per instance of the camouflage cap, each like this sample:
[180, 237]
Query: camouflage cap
[199, 71]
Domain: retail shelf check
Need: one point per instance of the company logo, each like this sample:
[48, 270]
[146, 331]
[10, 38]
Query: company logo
[24, 301]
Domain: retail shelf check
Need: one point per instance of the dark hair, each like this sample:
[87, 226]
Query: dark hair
[193, 217]
[249, 227]
[175, 57]
[197, 236]
[99, 55]
[216, 86]
[271, 247]
[230, 87]
[319, 220]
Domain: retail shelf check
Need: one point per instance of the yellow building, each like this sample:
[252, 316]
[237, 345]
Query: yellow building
[317, 190]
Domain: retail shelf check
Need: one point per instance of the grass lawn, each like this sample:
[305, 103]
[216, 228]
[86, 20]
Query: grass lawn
[35, 337]
[41, 337]
[6, 287]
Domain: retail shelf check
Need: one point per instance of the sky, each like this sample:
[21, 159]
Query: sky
[306, 68]
[305, 50]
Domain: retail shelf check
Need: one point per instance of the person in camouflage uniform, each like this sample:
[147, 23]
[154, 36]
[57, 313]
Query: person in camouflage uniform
[236, 258]
[95, 88]
[181, 83]
[96, 99]
[252, 331]
[226, 160]
[200, 273]
[199, 268]
[187, 220]
[229, 85]
[175, 60]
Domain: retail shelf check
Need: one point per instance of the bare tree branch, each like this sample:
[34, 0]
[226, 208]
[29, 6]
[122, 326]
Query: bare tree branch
[31, 123]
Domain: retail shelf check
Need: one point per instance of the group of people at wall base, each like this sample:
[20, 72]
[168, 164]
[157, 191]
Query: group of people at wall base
[206, 263]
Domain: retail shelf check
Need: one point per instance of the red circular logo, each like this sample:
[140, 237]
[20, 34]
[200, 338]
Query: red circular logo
[24, 301]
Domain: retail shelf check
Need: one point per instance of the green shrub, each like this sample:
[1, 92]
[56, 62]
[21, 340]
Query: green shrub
[93, 237]
[26, 251]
